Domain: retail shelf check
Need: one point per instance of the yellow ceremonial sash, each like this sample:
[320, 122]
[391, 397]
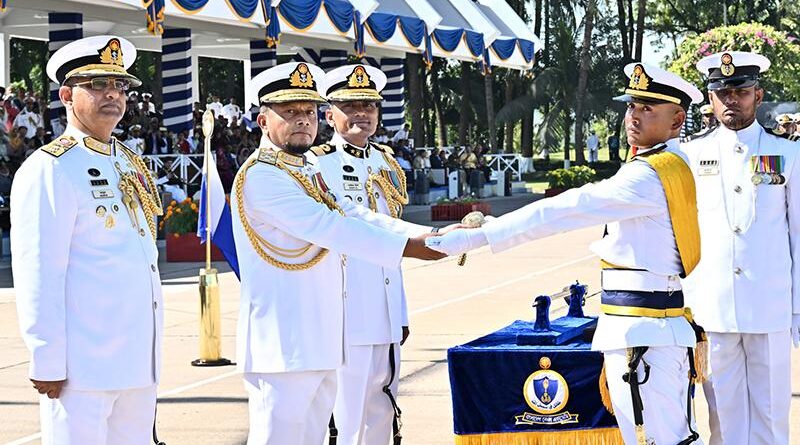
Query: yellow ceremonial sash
[678, 183]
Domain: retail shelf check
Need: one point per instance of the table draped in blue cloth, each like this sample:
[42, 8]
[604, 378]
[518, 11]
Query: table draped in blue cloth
[532, 395]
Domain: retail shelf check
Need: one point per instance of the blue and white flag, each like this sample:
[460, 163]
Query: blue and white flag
[221, 223]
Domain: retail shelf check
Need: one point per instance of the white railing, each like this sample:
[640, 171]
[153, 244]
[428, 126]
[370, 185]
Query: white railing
[505, 162]
[189, 168]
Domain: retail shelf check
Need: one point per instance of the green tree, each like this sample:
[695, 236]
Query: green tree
[28, 62]
[223, 78]
[780, 81]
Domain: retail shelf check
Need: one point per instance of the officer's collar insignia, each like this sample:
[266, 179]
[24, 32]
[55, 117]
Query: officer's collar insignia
[97, 146]
[60, 145]
[359, 78]
[639, 79]
[292, 159]
[267, 156]
[301, 77]
[727, 68]
[111, 54]
[354, 151]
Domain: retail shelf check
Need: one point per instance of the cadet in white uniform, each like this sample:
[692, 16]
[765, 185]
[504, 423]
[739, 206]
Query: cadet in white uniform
[291, 238]
[367, 175]
[652, 240]
[85, 260]
[746, 291]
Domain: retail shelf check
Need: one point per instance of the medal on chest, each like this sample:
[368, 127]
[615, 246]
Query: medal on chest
[767, 170]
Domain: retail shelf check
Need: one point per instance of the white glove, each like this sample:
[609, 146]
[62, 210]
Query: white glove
[796, 330]
[457, 241]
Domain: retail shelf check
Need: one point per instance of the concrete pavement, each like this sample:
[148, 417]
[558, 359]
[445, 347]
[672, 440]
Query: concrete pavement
[449, 305]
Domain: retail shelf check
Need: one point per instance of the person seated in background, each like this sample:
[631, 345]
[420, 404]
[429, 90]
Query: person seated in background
[135, 141]
[182, 145]
[5, 180]
[468, 160]
[17, 145]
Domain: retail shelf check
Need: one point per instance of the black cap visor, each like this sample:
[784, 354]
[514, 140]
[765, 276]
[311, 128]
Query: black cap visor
[732, 83]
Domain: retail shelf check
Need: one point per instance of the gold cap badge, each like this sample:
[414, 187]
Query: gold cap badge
[639, 79]
[111, 54]
[359, 78]
[727, 68]
[301, 77]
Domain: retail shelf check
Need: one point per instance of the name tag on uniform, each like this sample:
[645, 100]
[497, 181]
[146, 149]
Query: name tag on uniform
[352, 186]
[708, 167]
[102, 194]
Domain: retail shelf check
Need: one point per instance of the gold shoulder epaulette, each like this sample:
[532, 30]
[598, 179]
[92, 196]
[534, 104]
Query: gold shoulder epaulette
[267, 156]
[60, 146]
[384, 148]
[792, 137]
[322, 150]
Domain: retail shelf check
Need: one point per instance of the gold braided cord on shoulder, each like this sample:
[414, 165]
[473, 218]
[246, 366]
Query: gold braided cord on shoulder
[394, 200]
[141, 167]
[131, 185]
[259, 243]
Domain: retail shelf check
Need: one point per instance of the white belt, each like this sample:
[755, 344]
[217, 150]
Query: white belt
[638, 280]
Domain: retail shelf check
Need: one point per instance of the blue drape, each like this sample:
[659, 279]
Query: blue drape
[448, 39]
[475, 42]
[428, 54]
[527, 49]
[341, 13]
[382, 26]
[155, 16]
[504, 48]
[273, 27]
[358, 28]
[243, 8]
[413, 28]
[300, 13]
[191, 5]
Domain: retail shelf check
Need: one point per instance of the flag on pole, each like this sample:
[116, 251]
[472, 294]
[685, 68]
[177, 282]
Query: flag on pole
[221, 223]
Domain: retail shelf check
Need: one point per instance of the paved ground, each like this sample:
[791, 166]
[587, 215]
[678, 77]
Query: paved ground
[449, 305]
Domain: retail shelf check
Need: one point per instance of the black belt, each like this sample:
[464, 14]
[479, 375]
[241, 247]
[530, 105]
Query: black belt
[656, 304]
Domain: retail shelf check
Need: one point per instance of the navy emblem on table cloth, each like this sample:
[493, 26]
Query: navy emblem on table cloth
[546, 392]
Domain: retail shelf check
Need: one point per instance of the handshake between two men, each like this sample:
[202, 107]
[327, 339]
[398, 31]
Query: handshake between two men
[451, 240]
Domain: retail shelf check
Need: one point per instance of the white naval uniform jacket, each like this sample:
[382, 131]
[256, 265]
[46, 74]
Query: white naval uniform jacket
[88, 294]
[747, 280]
[376, 302]
[294, 320]
[633, 205]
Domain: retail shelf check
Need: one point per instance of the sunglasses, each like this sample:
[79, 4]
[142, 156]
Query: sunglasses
[101, 83]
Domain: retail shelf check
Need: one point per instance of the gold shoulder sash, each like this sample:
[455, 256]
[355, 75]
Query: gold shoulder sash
[678, 183]
[261, 245]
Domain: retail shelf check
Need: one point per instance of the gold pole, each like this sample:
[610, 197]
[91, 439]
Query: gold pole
[210, 343]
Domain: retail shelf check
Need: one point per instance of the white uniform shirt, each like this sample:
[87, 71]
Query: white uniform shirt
[294, 320]
[88, 295]
[640, 236]
[746, 280]
[135, 144]
[30, 120]
[376, 303]
[216, 107]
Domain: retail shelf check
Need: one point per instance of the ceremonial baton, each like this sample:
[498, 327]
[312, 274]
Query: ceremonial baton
[210, 347]
[472, 220]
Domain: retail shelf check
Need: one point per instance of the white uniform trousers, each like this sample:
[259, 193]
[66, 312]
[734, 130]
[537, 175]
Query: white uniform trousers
[749, 391]
[290, 407]
[363, 412]
[121, 417]
[663, 395]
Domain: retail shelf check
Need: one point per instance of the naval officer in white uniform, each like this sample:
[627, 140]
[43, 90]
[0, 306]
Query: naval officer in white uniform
[746, 291]
[85, 260]
[291, 240]
[652, 240]
[376, 317]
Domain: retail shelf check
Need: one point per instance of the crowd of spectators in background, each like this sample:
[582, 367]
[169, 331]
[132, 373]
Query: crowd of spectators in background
[26, 123]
